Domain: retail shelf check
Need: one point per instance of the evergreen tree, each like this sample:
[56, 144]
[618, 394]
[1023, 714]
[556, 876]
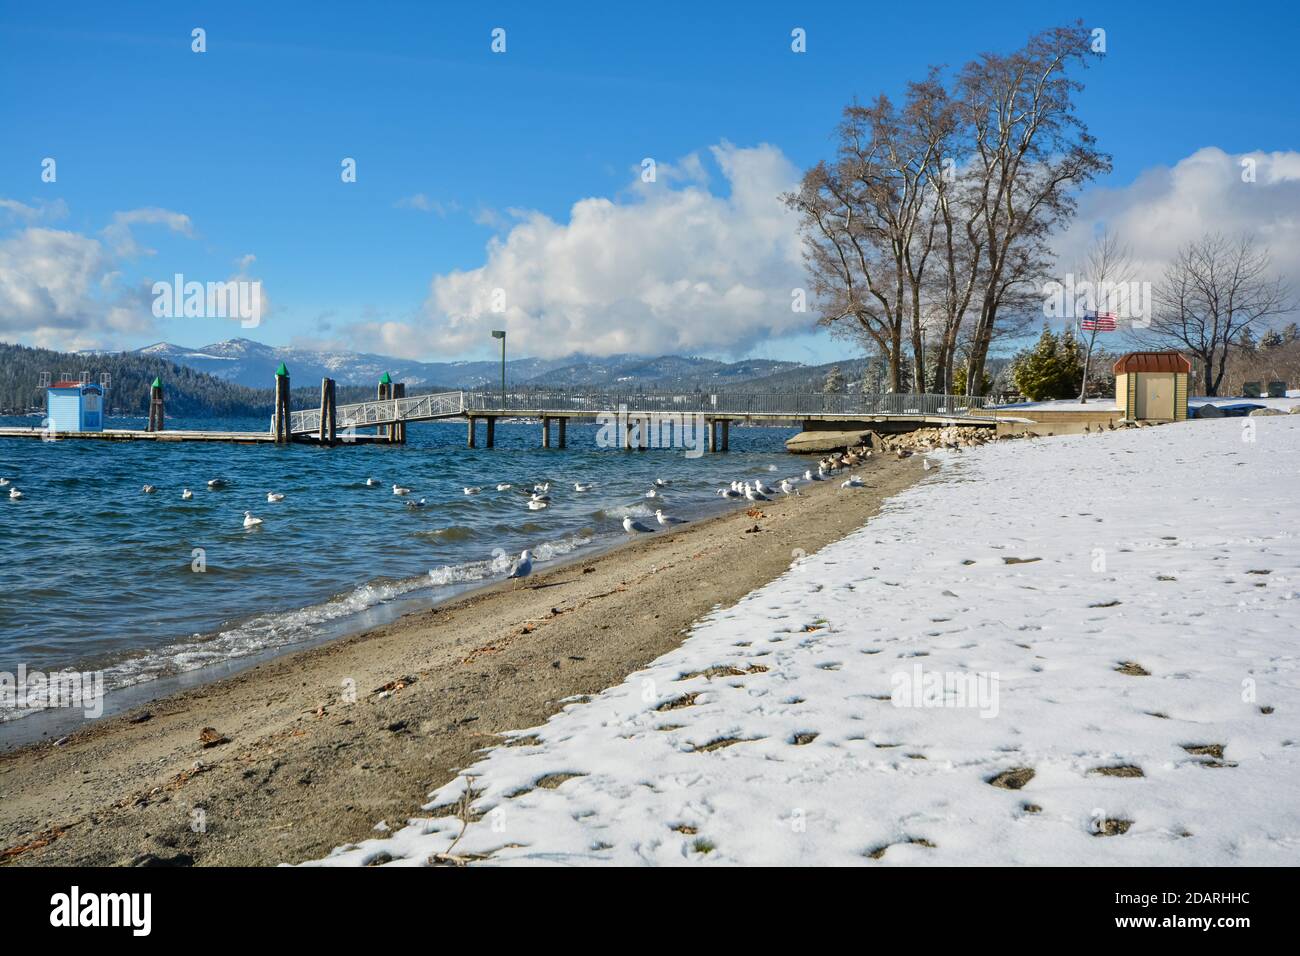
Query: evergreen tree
[834, 380]
[1051, 369]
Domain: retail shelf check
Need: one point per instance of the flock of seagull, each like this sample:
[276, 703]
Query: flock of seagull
[539, 496]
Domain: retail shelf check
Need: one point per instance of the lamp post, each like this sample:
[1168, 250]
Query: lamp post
[500, 334]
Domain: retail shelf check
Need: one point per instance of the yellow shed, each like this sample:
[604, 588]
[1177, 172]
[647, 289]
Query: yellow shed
[1152, 386]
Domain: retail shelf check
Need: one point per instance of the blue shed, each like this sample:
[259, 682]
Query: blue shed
[75, 407]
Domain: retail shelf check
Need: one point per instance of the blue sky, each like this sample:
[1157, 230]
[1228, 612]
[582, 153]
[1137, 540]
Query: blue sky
[246, 139]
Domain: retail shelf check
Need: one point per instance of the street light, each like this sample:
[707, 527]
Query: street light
[500, 334]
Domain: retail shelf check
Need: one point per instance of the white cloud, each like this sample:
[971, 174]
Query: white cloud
[1166, 207]
[118, 234]
[422, 203]
[671, 269]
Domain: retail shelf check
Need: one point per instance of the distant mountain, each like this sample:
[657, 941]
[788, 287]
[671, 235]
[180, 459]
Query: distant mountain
[249, 363]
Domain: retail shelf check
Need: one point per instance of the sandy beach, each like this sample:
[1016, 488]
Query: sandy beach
[310, 750]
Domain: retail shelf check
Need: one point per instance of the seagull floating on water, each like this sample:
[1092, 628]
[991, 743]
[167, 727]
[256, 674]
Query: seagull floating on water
[273, 496]
[250, 521]
[416, 504]
[472, 490]
[399, 490]
[523, 565]
[668, 519]
[583, 486]
[543, 488]
[661, 483]
[216, 483]
[537, 504]
[631, 526]
[15, 494]
[652, 493]
[186, 494]
[730, 493]
[4, 482]
[148, 489]
[372, 483]
[503, 486]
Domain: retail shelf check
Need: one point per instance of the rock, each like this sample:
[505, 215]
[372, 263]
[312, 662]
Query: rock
[1209, 411]
[211, 737]
[820, 442]
[1295, 410]
[1264, 412]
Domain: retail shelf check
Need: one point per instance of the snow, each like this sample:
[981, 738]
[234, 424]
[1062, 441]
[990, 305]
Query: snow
[1173, 548]
[1067, 405]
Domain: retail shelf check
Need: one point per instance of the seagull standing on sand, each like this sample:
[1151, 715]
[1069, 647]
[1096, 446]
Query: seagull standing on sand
[399, 490]
[186, 494]
[668, 519]
[853, 481]
[250, 521]
[630, 526]
[753, 494]
[274, 496]
[788, 488]
[523, 565]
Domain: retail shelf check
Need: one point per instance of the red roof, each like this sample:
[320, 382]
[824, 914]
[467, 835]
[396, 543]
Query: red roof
[74, 385]
[1153, 362]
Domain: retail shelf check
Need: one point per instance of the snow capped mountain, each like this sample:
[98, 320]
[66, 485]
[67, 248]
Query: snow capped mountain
[245, 362]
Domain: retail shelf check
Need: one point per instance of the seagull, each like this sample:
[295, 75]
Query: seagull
[216, 483]
[523, 565]
[186, 494]
[472, 490]
[416, 504]
[788, 488]
[399, 490]
[652, 493]
[753, 494]
[668, 519]
[542, 489]
[761, 488]
[4, 482]
[630, 526]
[926, 464]
[372, 483]
[503, 487]
[250, 521]
[583, 486]
[148, 489]
[730, 493]
[809, 476]
[853, 481]
[537, 504]
[273, 496]
[14, 494]
[659, 482]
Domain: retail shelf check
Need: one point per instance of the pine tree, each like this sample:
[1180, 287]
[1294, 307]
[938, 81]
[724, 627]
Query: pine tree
[834, 380]
[1051, 369]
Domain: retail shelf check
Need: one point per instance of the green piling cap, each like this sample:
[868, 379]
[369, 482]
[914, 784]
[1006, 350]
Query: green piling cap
[282, 370]
[385, 380]
[157, 383]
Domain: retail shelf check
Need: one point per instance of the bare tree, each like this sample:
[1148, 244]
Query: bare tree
[1107, 267]
[1030, 152]
[1211, 296]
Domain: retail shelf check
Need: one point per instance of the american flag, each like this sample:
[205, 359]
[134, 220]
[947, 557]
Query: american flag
[1100, 322]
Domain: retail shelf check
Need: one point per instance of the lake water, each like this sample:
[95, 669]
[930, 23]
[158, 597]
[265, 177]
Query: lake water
[96, 575]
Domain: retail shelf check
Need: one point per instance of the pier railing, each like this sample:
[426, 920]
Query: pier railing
[589, 401]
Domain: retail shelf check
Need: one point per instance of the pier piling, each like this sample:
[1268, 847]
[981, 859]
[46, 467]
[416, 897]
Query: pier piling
[280, 421]
[156, 417]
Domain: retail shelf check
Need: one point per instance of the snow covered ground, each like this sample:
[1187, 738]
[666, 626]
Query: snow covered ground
[1117, 616]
